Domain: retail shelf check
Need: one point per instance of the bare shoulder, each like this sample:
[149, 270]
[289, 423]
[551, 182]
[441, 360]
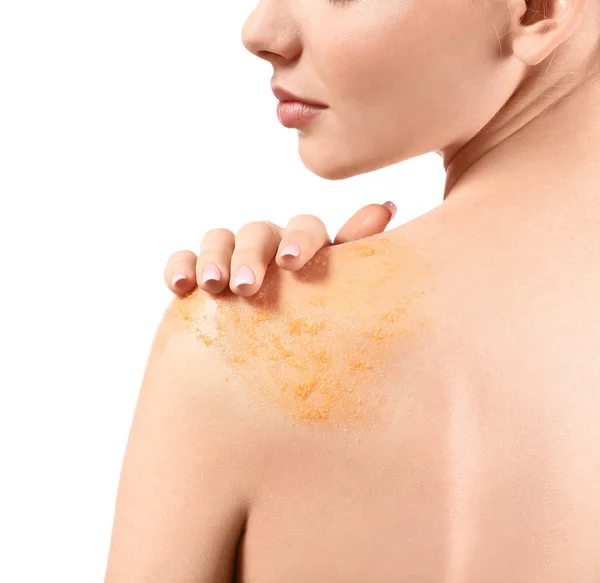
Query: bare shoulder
[314, 346]
[393, 332]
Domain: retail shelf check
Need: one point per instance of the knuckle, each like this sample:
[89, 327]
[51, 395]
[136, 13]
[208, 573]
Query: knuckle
[174, 256]
[256, 226]
[179, 258]
[307, 223]
[310, 223]
[273, 229]
[259, 224]
[308, 217]
[213, 255]
[247, 256]
[217, 241]
[301, 236]
[218, 232]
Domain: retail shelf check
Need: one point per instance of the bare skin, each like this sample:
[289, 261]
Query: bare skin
[466, 447]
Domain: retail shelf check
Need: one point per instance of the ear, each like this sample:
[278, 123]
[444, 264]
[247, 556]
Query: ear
[542, 26]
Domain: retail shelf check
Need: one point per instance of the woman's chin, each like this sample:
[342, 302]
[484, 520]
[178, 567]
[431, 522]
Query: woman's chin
[330, 165]
[331, 172]
[334, 166]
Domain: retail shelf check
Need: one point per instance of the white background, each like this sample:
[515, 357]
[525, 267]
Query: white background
[127, 130]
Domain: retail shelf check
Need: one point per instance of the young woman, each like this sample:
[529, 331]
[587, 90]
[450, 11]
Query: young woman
[421, 404]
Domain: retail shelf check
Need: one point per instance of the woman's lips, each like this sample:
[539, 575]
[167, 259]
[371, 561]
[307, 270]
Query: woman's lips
[285, 95]
[292, 114]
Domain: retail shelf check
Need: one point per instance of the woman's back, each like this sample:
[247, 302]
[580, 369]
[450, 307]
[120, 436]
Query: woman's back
[429, 405]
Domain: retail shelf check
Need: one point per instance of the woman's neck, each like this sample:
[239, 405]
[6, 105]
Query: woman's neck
[548, 145]
[547, 133]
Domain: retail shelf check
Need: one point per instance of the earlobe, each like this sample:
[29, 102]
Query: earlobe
[534, 43]
[550, 27]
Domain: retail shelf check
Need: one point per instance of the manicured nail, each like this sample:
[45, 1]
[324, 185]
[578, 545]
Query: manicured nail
[243, 276]
[177, 277]
[211, 273]
[390, 206]
[291, 250]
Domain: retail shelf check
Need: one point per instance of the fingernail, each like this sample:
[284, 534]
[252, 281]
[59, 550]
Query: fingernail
[211, 272]
[291, 250]
[243, 276]
[177, 277]
[390, 206]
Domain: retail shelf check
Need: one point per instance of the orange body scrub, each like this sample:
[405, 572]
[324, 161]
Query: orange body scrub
[320, 357]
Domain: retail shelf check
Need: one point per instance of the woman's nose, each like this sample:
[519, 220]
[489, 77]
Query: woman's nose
[270, 33]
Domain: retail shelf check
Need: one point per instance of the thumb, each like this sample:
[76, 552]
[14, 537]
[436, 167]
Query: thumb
[368, 221]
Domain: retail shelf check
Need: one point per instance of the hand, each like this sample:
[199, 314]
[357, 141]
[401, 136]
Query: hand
[257, 243]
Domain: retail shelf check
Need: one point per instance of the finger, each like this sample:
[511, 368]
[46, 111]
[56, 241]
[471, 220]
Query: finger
[255, 246]
[368, 221]
[302, 238]
[180, 272]
[214, 259]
